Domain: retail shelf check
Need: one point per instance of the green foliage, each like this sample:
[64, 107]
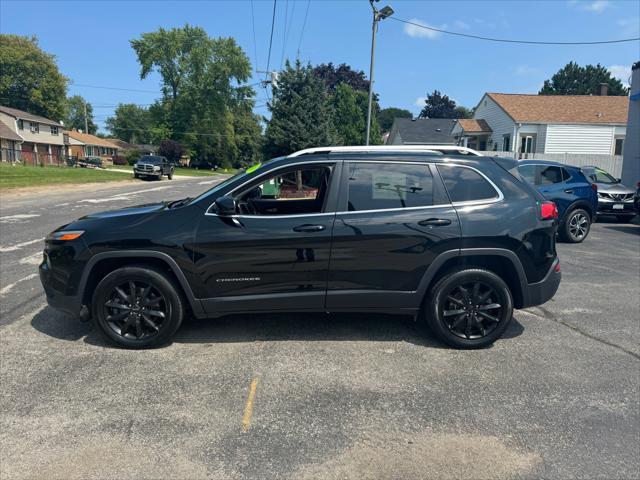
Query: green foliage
[463, 112]
[171, 150]
[131, 123]
[349, 116]
[333, 76]
[387, 115]
[30, 79]
[199, 77]
[438, 105]
[132, 156]
[300, 114]
[572, 79]
[75, 115]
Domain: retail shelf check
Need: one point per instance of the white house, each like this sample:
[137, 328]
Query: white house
[40, 139]
[546, 124]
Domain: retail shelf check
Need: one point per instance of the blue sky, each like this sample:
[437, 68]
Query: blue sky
[90, 40]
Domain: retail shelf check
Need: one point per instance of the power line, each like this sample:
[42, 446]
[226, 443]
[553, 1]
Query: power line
[273, 21]
[504, 40]
[287, 30]
[304, 24]
[255, 48]
[114, 88]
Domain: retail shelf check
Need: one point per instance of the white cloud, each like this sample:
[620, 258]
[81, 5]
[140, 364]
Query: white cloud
[596, 6]
[418, 32]
[460, 25]
[629, 26]
[621, 72]
[420, 101]
[524, 70]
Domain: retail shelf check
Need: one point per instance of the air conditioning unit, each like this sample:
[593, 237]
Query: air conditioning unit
[34, 129]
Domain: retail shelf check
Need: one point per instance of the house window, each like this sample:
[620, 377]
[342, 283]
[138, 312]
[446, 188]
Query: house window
[21, 124]
[506, 143]
[102, 151]
[619, 146]
[54, 130]
[34, 127]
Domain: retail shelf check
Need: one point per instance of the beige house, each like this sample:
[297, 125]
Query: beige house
[34, 139]
[83, 145]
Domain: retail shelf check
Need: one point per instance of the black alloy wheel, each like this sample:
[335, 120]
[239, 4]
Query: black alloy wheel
[135, 310]
[468, 307]
[138, 306]
[472, 310]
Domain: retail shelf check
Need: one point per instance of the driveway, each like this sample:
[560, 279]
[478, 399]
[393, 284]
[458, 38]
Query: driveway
[339, 396]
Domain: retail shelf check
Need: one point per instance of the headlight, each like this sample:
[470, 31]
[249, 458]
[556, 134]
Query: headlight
[65, 235]
[155, 169]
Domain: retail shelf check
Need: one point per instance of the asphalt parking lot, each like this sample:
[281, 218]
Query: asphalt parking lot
[300, 396]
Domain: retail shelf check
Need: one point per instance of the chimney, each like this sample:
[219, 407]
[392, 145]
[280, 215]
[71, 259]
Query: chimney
[604, 87]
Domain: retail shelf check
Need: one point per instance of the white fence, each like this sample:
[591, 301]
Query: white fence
[610, 163]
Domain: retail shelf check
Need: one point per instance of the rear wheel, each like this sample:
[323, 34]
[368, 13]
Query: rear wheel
[468, 308]
[137, 307]
[576, 226]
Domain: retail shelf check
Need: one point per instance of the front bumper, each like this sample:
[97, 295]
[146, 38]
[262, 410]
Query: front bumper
[69, 304]
[542, 291]
[607, 207]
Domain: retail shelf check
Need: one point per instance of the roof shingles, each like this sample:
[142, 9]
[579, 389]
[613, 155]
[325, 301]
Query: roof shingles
[89, 139]
[563, 108]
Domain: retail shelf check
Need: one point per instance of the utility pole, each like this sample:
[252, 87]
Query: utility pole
[378, 15]
[86, 122]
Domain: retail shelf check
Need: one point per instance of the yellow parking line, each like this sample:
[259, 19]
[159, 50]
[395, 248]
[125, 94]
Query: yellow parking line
[248, 409]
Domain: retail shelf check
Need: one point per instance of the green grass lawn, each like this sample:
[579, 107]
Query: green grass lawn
[21, 176]
[185, 172]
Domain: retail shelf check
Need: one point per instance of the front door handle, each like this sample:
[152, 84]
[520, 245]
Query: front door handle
[436, 222]
[308, 228]
[568, 190]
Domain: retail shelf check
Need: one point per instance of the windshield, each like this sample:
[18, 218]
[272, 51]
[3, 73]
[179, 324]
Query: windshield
[597, 175]
[151, 159]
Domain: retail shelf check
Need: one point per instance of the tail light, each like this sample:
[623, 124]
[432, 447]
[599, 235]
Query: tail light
[594, 187]
[548, 210]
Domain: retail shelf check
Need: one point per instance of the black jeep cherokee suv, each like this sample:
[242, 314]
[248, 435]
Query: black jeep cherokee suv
[454, 240]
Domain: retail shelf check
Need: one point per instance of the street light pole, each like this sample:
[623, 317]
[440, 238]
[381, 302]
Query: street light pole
[377, 16]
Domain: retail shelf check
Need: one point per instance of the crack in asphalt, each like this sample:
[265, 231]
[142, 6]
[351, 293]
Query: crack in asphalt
[548, 315]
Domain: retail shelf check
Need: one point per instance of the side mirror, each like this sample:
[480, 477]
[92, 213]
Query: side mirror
[225, 206]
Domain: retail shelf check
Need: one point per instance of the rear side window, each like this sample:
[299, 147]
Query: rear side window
[465, 184]
[377, 186]
[550, 175]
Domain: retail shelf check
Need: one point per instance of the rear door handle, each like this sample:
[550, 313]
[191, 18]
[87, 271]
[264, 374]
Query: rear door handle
[308, 228]
[436, 222]
[568, 190]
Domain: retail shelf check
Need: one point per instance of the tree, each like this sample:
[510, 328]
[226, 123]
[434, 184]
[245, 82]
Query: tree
[387, 115]
[438, 105]
[131, 124]
[172, 150]
[333, 76]
[300, 114]
[572, 79]
[463, 112]
[75, 115]
[30, 79]
[199, 86]
[349, 115]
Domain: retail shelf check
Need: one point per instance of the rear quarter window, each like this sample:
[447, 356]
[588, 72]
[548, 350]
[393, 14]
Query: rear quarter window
[466, 185]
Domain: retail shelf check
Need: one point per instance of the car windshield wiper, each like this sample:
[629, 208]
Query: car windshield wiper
[179, 203]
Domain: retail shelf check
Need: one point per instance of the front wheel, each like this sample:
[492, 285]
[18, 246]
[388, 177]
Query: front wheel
[468, 308]
[576, 226]
[170, 176]
[137, 307]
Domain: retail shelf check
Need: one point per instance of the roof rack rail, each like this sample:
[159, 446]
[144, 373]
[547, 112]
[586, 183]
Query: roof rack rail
[437, 149]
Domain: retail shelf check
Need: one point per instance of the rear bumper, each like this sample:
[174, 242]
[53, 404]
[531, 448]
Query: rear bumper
[542, 291]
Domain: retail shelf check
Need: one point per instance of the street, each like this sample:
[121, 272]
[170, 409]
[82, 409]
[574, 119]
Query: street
[318, 396]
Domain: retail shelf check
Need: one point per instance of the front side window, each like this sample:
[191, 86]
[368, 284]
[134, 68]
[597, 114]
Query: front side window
[378, 186]
[466, 185]
[287, 192]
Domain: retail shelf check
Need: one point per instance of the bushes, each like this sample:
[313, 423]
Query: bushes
[119, 160]
[132, 156]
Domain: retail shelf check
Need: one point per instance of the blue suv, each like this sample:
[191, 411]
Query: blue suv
[567, 186]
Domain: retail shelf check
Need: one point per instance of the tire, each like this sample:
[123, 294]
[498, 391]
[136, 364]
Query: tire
[135, 175]
[624, 218]
[138, 321]
[576, 226]
[473, 325]
[170, 176]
